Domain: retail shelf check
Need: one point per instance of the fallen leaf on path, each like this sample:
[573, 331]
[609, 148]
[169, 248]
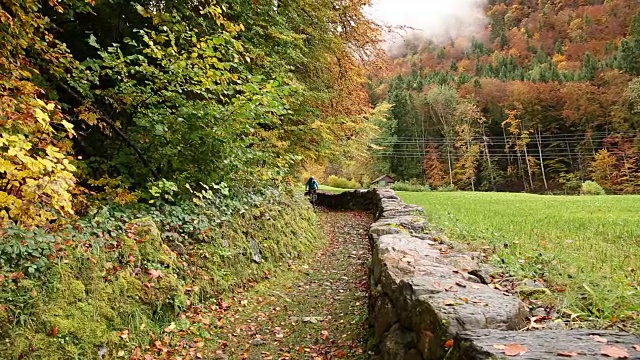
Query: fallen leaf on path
[614, 352]
[170, 328]
[599, 339]
[449, 302]
[636, 347]
[340, 354]
[514, 350]
[540, 318]
[567, 354]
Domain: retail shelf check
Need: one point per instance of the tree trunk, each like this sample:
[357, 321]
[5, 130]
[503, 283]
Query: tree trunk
[473, 177]
[544, 177]
[508, 153]
[486, 151]
[449, 160]
[526, 158]
[570, 157]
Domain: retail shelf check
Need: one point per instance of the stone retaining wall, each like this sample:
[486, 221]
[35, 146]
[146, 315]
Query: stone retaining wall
[424, 296]
[422, 293]
[349, 200]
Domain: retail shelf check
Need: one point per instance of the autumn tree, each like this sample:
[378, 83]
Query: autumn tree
[36, 169]
[603, 169]
[518, 140]
[442, 102]
[628, 57]
[434, 169]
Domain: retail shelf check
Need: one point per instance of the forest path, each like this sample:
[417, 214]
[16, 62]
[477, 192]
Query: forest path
[316, 309]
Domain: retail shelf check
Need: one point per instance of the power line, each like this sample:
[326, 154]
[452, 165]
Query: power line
[494, 139]
[559, 135]
[492, 154]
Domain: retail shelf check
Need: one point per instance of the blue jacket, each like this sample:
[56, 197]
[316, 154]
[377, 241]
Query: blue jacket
[312, 184]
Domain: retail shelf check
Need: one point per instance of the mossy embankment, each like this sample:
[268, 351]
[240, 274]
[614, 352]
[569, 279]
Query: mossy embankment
[106, 286]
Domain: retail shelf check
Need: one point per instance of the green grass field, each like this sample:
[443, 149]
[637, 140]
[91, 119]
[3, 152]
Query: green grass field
[328, 188]
[587, 249]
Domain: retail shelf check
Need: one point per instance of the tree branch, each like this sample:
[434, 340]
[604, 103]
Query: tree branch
[117, 130]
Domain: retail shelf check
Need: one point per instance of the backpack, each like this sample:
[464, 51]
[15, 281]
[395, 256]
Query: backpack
[313, 184]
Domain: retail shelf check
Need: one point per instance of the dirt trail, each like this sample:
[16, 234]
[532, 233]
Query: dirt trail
[316, 310]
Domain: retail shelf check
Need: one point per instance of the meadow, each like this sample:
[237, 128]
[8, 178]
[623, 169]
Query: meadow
[327, 188]
[586, 248]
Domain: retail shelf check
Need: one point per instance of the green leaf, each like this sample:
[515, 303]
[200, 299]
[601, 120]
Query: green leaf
[93, 41]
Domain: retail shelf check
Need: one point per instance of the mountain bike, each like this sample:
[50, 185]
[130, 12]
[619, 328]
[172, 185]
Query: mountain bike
[313, 197]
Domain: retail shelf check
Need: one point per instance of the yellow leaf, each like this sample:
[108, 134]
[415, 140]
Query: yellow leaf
[67, 125]
[6, 166]
[42, 117]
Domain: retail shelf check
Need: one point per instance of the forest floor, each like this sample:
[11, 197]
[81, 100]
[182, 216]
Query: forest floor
[316, 309]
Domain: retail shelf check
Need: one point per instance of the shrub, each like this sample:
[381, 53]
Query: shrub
[571, 183]
[27, 251]
[447, 188]
[591, 188]
[404, 186]
[342, 183]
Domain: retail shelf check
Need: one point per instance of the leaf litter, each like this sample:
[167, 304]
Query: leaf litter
[315, 309]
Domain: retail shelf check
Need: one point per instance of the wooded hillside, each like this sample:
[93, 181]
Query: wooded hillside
[544, 98]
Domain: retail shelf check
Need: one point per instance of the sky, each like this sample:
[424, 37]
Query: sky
[436, 19]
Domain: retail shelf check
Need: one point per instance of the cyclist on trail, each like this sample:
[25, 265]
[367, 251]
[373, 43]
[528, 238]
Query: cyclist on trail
[311, 187]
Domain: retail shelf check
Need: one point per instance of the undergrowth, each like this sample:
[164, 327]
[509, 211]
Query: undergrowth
[342, 183]
[110, 282]
[408, 186]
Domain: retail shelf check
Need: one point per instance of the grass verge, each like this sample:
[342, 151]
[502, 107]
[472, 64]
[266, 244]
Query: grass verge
[328, 188]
